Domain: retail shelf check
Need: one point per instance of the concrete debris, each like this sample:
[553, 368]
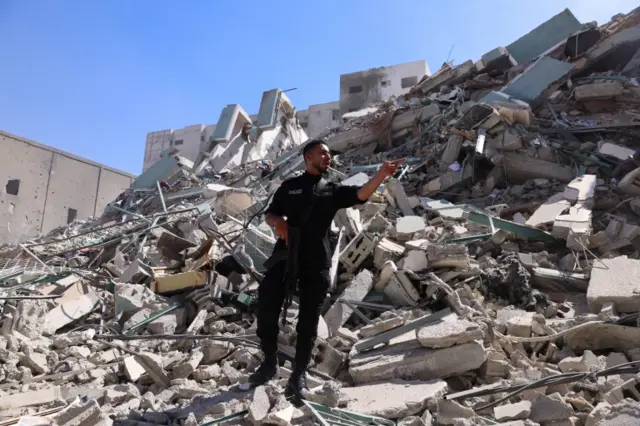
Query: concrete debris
[503, 253]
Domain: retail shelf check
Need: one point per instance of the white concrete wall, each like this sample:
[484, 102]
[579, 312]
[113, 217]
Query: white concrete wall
[323, 117]
[378, 84]
[303, 119]
[157, 142]
[51, 182]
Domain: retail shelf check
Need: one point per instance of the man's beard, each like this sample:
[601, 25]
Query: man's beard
[320, 168]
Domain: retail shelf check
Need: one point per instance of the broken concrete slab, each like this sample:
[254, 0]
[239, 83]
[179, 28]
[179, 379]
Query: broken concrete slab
[411, 360]
[581, 190]
[394, 399]
[615, 280]
[449, 331]
[448, 256]
[549, 408]
[408, 225]
[401, 291]
[339, 312]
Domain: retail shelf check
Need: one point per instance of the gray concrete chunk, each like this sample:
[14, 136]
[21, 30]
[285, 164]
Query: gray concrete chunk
[618, 282]
[357, 289]
[410, 360]
[394, 399]
[450, 331]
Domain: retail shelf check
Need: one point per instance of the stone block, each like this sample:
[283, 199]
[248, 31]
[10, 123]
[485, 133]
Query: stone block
[549, 408]
[214, 350]
[447, 332]
[394, 399]
[132, 369]
[415, 261]
[406, 226]
[518, 411]
[617, 281]
[386, 250]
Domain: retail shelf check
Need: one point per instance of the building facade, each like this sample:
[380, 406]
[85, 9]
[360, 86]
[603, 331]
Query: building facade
[361, 89]
[357, 90]
[42, 188]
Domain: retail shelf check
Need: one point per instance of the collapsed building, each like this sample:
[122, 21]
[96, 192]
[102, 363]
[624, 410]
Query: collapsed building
[493, 280]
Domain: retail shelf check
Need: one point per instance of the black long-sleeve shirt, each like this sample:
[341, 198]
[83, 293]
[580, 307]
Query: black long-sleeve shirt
[292, 199]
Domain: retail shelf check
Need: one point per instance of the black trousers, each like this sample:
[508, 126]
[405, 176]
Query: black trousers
[313, 285]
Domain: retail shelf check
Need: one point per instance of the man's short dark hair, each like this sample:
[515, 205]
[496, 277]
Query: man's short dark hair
[310, 145]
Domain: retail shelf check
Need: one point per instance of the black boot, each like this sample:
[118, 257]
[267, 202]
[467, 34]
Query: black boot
[297, 389]
[267, 371]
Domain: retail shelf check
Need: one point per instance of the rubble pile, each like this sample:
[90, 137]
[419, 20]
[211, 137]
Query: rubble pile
[493, 280]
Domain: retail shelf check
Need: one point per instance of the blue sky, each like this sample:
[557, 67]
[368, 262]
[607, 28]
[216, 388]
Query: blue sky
[93, 77]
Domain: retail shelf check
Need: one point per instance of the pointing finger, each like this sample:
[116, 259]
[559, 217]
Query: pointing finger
[398, 162]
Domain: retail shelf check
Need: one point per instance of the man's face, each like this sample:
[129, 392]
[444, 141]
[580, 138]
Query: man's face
[319, 158]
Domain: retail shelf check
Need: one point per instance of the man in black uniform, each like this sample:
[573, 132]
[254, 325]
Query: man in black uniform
[301, 213]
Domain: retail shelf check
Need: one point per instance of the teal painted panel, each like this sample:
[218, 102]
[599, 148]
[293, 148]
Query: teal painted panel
[529, 85]
[544, 37]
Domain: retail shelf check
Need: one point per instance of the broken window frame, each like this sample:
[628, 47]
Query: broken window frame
[353, 90]
[178, 142]
[335, 114]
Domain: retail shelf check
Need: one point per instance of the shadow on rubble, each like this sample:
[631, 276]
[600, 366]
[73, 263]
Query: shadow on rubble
[202, 406]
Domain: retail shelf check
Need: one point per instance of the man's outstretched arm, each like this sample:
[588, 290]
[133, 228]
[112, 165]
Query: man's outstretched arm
[388, 169]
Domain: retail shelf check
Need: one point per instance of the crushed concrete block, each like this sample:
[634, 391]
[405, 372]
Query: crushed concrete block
[184, 370]
[581, 190]
[215, 350]
[132, 369]
[600, 90]
[326, 394]
[410, 360]
[35, 361]
[137, 273]
[401, 291]
[449, 331]
[377, 327]
[613, 150]
[283, 417]
[394, 399]
[357, 289]
[81, 414]
[406, 226]
[617, 281]
[448, 256]
[548, 211]
[548, 408]
[166, 324]
[519, 326]
[625, 413]
[152, 364]
[386, 272]
[209, 372]
[415, 261]
[585, 363]
[577, 221]
[385, 251]
[448, 412]
[518, 411]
